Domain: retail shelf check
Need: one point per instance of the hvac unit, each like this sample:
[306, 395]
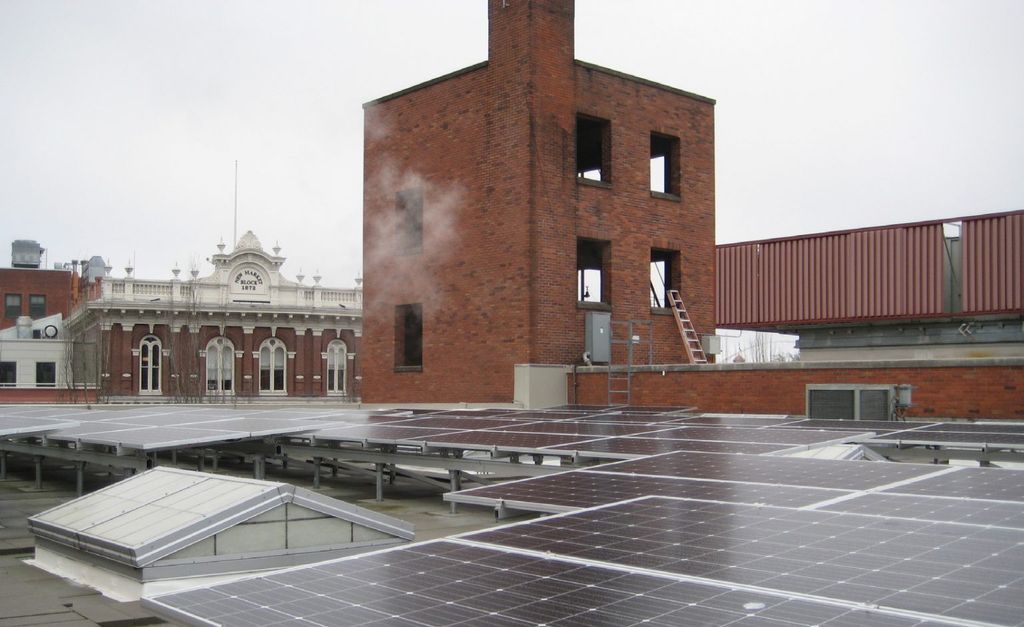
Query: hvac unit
[851, 401]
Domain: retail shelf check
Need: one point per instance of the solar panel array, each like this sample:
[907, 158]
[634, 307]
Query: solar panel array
[704, 525]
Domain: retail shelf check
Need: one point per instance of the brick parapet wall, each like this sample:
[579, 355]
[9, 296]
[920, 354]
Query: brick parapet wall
[975, 389]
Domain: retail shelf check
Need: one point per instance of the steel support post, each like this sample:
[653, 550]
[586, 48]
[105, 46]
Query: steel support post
[3, 465]
[214, 461]
[257, 467]
[201, 462]
[455, 476]
[38, 459]
[380, 480]
[538, 459]
[79, 478]
[316, 471]
[174, 457]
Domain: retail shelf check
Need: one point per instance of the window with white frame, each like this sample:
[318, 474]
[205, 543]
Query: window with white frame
[149, 365]
[337, 357]
[220, 366]
[273, 358]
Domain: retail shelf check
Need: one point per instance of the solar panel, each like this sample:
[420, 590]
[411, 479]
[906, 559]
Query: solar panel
[486, 440]
[972, 483]
[588, 488]
[385, 433]
[835, 474]
[878, 426]
[446, 583]
[917, 566]
[619, 448]
[735, 421]
[578, 428]
[459, 423]
[952, 438]
[943, 509]
[27, 425]
[794, 437]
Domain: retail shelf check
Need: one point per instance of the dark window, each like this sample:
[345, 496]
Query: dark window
[664, 275]
[37, 305]
[409, 337]
[592, 270]
[8, 373]
[593, 149]
[12, 305]
[409, 222]
[46, 374]
[664, 164]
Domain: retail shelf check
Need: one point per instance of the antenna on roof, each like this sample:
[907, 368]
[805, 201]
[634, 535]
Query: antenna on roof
[234, 232]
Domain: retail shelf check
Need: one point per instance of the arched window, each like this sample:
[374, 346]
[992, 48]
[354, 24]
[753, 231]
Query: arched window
[337, 358]
[220, 366]
[273, 358]
[149, 365]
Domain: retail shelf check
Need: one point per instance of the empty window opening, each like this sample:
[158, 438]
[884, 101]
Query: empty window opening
[12, 305]
[46, 374]
[409, 221]
[593, 149]
[592, 261]
[37, 305]
[663, 276]
[664, 164]
[409, 337]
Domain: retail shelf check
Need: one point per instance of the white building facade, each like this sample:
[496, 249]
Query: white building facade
[243, 331]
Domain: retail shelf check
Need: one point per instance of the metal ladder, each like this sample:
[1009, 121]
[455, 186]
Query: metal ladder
[691, 342]
[631, 333]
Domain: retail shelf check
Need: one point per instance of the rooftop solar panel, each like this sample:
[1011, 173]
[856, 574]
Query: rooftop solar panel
[735, 421]
[878, 426]
[976, 427]
[794, 437]
[953, 438]
[942, 509]
[27, 425]
[446, 583]
[587, 488]
[962, 572]
[998, 484]
[620, 448]
[487, 440]
[459, 423]
[378, 433]
[835, 474]
[578, 428]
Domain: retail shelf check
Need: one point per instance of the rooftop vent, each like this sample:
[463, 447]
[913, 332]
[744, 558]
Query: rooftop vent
[26, 253]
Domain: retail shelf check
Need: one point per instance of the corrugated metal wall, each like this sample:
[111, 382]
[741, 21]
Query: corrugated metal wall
[993, 264]
[879, 273]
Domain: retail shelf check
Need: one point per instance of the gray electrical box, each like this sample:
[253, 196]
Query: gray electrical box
[598, 336]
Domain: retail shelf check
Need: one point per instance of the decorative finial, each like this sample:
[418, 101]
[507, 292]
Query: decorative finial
[299, 277]
[129, 269]
[277, 248]
[107, 269]
[194, 272]
[220, 246]
[317, 277]
[175, 270]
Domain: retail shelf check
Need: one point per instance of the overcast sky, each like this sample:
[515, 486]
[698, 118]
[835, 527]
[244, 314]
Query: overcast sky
[120, 122]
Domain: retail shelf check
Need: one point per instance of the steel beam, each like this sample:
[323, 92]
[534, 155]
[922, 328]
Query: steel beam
[481, 466]
[96, 458]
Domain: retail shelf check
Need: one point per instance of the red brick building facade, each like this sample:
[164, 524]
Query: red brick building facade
[506, 200]
[35, 293]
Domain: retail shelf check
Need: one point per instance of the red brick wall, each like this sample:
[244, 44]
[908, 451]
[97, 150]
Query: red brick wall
[56, 285]
[45, 395]
[493, 149]
[965, 391]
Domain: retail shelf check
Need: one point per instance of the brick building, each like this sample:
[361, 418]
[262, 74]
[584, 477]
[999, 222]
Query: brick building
[504, 201]
[245, 330]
